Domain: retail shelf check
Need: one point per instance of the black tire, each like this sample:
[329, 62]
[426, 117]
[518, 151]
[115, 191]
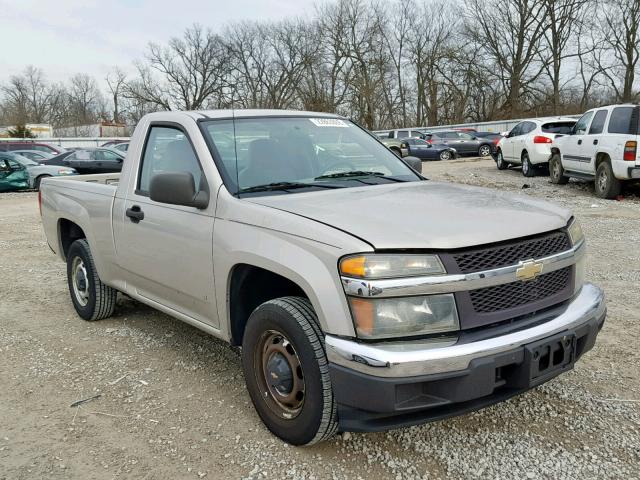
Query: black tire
[500, 163]
[527, 168]
[556, 171]
[315, 418]
[607, 185]
[484, 150]
[36, 183]
[100, 300]
[445, 155]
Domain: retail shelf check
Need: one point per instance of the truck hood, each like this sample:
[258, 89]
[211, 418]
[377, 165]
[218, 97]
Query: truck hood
[424, 215]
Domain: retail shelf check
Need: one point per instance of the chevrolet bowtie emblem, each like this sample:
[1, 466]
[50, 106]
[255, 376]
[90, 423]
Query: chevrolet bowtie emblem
[528, 270]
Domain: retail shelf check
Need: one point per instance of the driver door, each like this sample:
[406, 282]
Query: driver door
[13, 176]
[508, 144]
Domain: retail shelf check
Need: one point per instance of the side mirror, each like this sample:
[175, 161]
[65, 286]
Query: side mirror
[177, 188]
[415, 163]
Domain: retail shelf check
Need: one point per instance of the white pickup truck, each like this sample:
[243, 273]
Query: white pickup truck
[602, 146]
[364, 296]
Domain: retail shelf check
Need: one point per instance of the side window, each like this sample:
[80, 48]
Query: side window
[14, 166]
[597, 126]
[167, 150]
[583, 123]
[70, 158]
[517, 130]
[465, 136]
[107, 156]
[403, 133]
[529, 127]
[620, 121]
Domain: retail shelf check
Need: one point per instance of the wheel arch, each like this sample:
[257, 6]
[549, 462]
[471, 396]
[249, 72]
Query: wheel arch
[68, 232]
[249, 286]
[600, 158]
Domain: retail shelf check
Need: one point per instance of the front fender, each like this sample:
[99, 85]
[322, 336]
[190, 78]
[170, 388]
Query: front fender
[310, 264]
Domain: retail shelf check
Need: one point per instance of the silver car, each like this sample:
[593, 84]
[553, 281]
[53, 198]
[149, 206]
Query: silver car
[37, 171]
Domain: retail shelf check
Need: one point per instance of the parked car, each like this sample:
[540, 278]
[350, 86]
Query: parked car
[121, 147]
[13, 176]
[602, 146]
[90, 160]
[37, 171]
[113, 143]
[397, 146]
[364, 296]
[424, 150]
[491, 136]
[529, 143]
[464, 143]
[30, 145]
[35, 155]
[405, 133]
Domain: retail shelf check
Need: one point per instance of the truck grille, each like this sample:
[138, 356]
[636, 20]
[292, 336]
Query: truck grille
[510, 295]
[510, 254]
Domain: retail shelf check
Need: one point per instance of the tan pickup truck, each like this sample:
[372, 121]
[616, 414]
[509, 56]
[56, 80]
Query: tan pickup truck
[364, 296]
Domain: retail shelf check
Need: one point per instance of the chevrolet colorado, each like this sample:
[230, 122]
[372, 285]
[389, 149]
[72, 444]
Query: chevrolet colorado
[364, 296]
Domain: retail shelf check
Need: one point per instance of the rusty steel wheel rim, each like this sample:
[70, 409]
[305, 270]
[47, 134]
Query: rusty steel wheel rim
[279, 374]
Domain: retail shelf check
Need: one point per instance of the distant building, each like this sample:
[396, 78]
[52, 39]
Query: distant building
[40, 130]
[103, 129]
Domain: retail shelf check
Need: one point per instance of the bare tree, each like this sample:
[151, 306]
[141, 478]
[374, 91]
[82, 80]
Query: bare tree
[622, 37]
[116, 82]
[511, 37]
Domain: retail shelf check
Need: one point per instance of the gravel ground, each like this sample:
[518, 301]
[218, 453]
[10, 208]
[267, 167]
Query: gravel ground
[173, 405]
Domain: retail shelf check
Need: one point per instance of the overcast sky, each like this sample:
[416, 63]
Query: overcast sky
[64, 37]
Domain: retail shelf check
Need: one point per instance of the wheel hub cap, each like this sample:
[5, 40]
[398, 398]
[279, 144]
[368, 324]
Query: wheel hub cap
[279, 373]
[80, 281]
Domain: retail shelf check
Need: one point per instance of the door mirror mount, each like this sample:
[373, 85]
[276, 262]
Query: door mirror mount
[177, 188]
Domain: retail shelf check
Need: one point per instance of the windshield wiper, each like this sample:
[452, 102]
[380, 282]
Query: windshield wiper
[359, 173]
[269, 187]
[353, 173]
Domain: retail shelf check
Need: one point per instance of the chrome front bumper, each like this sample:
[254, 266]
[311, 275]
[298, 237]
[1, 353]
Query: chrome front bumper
[423, 357]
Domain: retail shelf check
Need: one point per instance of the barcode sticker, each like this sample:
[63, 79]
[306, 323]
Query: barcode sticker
[329, 122]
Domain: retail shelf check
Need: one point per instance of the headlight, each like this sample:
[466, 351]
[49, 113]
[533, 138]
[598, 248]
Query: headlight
[390, 266]
[575, 232]
[66, 172]
[396, 317]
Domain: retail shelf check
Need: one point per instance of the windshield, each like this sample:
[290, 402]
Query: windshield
[302, 153]
[24, 161]
[562, 128]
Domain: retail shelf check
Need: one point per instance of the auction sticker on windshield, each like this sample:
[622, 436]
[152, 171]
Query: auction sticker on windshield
[329, 122]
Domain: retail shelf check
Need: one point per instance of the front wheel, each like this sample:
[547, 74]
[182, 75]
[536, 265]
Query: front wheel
[607, 185]
[527, 167]
[287, 373]
[92, 299]
[500, 163]
[556, 171]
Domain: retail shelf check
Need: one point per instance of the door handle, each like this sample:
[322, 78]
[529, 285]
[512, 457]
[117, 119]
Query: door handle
[595, 142]
[135, 214]
[580, 142]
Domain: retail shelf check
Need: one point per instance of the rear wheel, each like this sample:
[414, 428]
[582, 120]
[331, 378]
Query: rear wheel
[36, 184]
[500, 163]
[556, 171]
[287, 373]
[484, 151]
[607, 185]
[92, 299]
[527, 167]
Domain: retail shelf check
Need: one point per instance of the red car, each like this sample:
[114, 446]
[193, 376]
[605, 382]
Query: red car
[31, 145]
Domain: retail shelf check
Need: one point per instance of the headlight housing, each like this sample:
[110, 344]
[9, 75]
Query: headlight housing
[375, 266]
[575, 232]
[405, 316]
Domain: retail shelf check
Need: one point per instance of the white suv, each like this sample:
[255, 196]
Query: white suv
[529, 143]
[603, 146]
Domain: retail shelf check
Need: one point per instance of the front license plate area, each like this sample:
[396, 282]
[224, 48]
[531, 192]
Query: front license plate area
[550, 357]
